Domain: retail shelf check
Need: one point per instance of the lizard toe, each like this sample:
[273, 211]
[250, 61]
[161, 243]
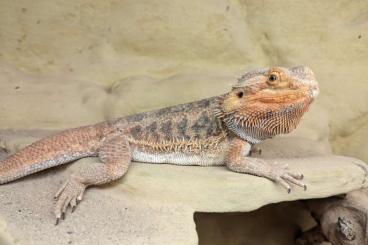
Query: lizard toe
[70, 192]
[296, 175]
[288, 177]
[73, 203]
[281, 175]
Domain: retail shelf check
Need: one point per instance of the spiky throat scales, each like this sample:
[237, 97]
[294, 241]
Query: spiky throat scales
[257, 124]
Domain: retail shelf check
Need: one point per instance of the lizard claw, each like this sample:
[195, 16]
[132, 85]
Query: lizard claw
[281, 175]
[71, 191]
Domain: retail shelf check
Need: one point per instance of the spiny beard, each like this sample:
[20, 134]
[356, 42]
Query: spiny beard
[258, 125]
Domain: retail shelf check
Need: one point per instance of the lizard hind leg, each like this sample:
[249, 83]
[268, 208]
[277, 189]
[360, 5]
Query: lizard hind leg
[115, 156]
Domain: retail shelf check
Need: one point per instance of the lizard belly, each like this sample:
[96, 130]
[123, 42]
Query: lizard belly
[179, 158]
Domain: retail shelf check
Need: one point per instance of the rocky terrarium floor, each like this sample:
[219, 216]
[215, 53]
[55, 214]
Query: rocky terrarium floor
[163, 204]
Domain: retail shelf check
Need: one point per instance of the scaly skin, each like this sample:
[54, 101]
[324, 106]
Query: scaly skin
[216, 131]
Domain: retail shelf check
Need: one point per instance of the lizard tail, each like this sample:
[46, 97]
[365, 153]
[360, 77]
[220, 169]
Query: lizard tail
[61, 148]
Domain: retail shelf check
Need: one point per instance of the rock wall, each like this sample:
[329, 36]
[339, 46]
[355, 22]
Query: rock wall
[132, 52]
[69, 63]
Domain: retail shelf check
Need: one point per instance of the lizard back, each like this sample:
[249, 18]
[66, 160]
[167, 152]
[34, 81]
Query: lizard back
[183, 133]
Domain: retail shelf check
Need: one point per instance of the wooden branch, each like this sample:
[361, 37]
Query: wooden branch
[342, 220]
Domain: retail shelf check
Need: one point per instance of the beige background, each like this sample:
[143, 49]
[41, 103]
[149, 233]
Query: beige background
[102, 59]
[69, 63]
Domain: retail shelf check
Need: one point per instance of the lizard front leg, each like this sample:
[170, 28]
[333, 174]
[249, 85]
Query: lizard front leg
[238, 161]
[115, 155]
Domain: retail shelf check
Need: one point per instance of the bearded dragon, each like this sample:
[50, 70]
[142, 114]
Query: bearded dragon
[214, 131]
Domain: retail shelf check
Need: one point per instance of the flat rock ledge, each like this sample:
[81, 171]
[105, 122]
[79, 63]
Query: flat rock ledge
[155, 203]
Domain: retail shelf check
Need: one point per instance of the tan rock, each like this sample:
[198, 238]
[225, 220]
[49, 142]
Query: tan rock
[352, 139]
[114, 41]
[70, 63]
[31, 101]
[155, 203]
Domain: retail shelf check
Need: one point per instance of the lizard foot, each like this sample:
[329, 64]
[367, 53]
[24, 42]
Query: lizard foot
[281, 175]
[70, 193]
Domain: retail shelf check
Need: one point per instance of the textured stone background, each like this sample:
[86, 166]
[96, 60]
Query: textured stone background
[100, 59]
[68, 63]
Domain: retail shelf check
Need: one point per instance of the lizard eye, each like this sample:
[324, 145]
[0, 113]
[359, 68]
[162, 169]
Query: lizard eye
[273, 78]
[240, 94]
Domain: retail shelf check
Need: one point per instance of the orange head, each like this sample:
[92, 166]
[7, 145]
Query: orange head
[267, 102]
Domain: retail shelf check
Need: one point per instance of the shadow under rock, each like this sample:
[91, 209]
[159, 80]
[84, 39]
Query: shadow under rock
[274, 224]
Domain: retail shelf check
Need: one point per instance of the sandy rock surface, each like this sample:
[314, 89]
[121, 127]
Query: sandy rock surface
[70, 63]
[155, 203]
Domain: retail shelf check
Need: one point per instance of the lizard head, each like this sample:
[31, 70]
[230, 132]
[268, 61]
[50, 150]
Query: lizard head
[267, 102]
